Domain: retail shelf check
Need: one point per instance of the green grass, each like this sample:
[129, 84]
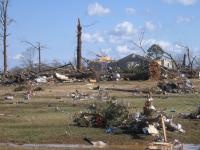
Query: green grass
[39, 121]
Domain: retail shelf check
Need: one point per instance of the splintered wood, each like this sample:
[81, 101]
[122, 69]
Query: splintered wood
[154, 70]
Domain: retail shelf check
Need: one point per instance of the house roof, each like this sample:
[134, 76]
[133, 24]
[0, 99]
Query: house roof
[133, 57]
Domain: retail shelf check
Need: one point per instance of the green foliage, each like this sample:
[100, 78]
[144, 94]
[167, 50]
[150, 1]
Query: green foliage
[155, 51]
[115, 114]
[140, 72]
[109, 115]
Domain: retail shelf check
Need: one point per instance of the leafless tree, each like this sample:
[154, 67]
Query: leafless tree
[190, 57]
[28, 58]
[140, 44]
[5, 21]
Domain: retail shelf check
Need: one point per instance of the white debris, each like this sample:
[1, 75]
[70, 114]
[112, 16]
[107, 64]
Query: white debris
[61, 77]
[42, 79]
[9, 98]
[151, 130]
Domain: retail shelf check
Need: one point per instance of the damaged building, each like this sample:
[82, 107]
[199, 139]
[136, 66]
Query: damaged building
[101, 64]
[133, 67]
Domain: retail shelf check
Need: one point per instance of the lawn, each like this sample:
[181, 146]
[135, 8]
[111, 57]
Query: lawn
[48, 116]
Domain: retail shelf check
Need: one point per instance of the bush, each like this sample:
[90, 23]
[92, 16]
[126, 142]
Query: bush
[115, 114]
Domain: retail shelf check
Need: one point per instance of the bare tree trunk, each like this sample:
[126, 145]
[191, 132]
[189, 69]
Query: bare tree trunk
[5, 50]
[79, 42]
[4, 22]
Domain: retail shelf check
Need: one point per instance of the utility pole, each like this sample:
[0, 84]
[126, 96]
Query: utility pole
[79, 43]
[39, 53]
[184, 60]
[39, 48]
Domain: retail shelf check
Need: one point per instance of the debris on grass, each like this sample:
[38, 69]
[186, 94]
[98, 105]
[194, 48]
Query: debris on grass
[180, 85]
[38, 89]
[193, 115]
[20, 88]
[9, 98]
[97, 144]
[115, 116]
[41, 79]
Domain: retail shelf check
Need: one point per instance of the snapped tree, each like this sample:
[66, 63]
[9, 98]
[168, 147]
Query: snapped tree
[79, 44]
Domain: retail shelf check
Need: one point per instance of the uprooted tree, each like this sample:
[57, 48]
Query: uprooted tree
[5, 21]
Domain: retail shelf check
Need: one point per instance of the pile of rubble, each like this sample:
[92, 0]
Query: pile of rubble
[45, 77]
[99, 95]
[181, 85]
[115, 117]
[154, 70]
[193, 115]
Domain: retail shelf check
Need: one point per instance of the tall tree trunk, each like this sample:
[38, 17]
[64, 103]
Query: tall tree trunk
[4, 22]
[5, 52]
[79, 42]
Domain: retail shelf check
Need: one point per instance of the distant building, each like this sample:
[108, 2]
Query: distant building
[129, 62]
[100, 64]
[169, 64]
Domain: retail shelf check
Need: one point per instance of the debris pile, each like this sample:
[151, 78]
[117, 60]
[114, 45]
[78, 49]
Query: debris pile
[181, 85]
[154, 70]
[193, 115]
[79, 96]
[90, 120]
[114, 117]
[99, 95]
[168, 87]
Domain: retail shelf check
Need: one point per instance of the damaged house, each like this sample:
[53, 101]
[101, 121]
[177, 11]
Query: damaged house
[101, 64]
[161, 68]
[133, 66]
[168, 64]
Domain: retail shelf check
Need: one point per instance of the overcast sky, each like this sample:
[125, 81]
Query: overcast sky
[109, 26]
